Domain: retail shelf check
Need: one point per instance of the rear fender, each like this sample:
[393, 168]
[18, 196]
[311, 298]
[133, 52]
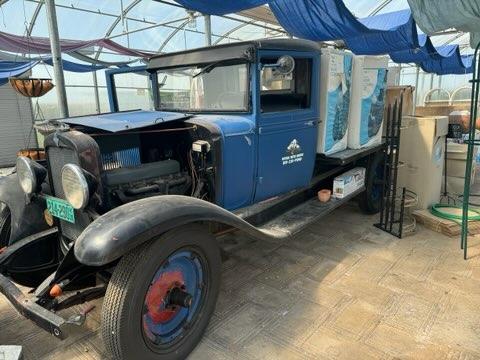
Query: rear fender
[119, 231]
[27, 217]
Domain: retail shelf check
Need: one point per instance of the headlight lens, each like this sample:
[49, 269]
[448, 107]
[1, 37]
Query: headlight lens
[26, 175]
[75, 186]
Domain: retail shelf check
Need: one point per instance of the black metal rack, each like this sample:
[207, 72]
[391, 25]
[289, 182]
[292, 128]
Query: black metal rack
[391, 216]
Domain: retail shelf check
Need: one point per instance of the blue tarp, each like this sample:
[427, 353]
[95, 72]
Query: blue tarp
[425, 51]
[455, 64]
[441, 60]
[395, 31]
[11, 69]
[220, 7]
[78, 68]
[317, 20]
[323, 20]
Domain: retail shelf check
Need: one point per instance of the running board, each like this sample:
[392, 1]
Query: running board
[298, 218]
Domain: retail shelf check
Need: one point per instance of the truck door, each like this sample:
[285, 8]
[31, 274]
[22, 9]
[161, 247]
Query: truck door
[287, 123]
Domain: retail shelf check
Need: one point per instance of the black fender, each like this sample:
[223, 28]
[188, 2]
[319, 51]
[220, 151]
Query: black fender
[119, 231]
[27, 216]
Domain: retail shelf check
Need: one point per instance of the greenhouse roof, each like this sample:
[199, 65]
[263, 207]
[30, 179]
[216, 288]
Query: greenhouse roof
[163, 26]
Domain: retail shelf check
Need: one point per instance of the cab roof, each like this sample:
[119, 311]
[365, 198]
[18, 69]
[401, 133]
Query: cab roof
[242, 51]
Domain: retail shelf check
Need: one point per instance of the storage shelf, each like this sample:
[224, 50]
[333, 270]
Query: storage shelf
[347, 156]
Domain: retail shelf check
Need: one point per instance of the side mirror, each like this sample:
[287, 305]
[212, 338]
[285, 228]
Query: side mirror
[284, 65]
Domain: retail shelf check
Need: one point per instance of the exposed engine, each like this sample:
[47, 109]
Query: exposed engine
[156, 161]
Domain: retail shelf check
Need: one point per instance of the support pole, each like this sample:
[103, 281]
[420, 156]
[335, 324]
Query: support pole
[95, 89]
[415, 99]
[56, 57]
[208, 30]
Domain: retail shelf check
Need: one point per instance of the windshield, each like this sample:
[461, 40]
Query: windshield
[211, 88]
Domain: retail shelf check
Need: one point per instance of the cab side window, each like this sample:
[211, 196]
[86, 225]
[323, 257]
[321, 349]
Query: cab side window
[285, 92]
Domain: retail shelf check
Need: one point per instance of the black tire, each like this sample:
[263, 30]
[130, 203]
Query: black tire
[123, 305]
[370, 200]
[5, 225]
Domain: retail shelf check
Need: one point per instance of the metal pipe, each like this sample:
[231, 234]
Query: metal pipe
[95, 89]
[379, 7]
[415, 99]
[208, 30]
[56, 57]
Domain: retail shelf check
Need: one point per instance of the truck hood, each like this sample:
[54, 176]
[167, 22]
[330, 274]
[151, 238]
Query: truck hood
[126, 120]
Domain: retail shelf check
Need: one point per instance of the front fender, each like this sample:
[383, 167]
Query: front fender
[27, 218]
[119, 231]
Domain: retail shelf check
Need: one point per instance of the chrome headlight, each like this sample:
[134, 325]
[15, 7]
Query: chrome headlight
[30, 174]
[75, 186]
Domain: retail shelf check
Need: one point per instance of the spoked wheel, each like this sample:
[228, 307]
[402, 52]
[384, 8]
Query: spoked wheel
[371, 198]
[161, 296]
[5, 225]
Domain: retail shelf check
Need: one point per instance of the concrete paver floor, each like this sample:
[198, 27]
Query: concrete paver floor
[342, 289]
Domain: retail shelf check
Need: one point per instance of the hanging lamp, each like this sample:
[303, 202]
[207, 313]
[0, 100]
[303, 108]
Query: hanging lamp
[31, 87]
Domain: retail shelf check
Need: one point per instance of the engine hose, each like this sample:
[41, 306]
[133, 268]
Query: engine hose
[437, 211]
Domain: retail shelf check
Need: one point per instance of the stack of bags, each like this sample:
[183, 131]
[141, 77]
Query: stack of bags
[352, 101]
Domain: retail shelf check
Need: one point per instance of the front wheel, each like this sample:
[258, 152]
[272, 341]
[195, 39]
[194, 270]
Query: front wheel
[161, 296]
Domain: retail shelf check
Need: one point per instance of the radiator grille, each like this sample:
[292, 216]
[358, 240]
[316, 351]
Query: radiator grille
[57, 158]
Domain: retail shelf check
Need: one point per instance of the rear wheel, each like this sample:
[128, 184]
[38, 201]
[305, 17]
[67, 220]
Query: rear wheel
[5, 225]
[161, 296]
[371, 198]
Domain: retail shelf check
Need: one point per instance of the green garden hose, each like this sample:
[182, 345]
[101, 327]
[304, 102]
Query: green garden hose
[438, 211]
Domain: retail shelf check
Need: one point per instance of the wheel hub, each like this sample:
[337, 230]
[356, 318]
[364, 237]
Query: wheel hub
[179, 297]
[173, 298]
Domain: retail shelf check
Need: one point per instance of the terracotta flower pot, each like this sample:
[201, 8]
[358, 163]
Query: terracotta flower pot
[324, 195]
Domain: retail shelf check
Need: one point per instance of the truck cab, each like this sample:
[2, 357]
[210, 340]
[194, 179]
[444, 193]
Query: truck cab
[265, 116]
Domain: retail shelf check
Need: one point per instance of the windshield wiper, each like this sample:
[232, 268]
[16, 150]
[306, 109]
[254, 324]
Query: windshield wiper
[210, 67]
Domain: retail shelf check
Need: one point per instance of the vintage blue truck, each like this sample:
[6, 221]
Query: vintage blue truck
[128, 203]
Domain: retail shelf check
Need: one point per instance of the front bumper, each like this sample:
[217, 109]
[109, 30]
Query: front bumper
[47, 320]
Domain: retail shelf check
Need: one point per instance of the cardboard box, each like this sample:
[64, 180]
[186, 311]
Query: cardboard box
[395, 92]
[349, 182]
[422, 151]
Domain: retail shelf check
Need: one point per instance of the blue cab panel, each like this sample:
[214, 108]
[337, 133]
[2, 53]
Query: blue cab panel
[287, 137]
[238, 161]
